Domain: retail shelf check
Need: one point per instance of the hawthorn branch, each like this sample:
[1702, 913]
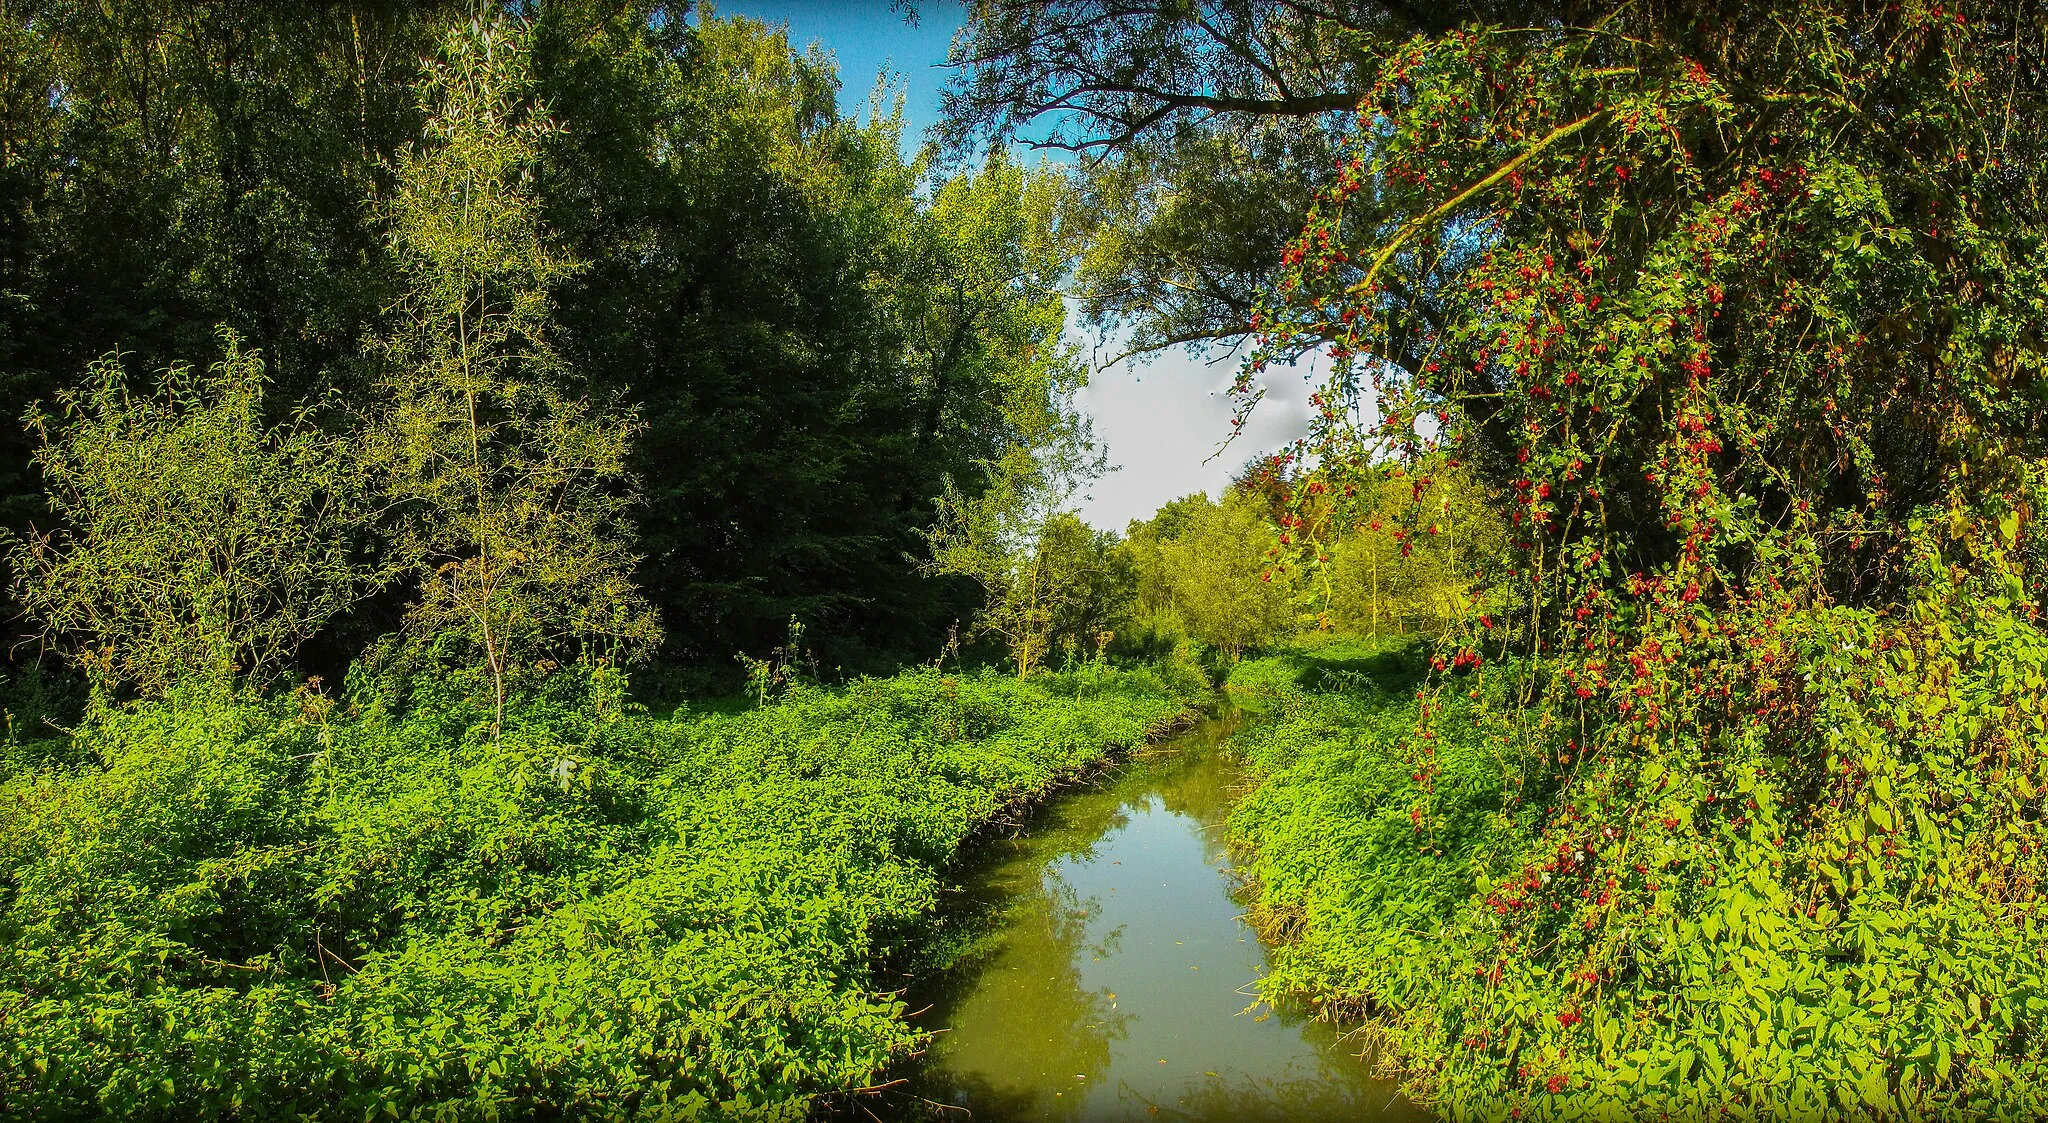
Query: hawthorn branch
[1178, 339]
[1415, 225]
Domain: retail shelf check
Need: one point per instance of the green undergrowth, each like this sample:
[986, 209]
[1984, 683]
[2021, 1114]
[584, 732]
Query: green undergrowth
[1848, 930]
[213, 909]
[1353, 895]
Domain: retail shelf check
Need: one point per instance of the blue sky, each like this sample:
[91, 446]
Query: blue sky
[869, 39]
[1164, 420]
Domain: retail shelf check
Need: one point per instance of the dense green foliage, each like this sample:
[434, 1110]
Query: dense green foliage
[1263, 563]
[1734, 989]
[1413, 559]
[263, 910]
[1204, 571]
[1688, 404]
[1739, 323]
[198, 543]
[1356, 901]
[783, 298]
[816, 332]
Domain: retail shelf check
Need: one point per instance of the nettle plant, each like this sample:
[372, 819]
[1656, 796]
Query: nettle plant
[1739, 312]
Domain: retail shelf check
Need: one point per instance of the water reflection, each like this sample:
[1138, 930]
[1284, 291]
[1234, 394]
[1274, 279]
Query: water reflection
[1104, 972]
[1278, 1099]
[1052, 1027]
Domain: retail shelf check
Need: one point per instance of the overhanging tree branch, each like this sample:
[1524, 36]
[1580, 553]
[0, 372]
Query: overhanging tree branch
[1415, 225]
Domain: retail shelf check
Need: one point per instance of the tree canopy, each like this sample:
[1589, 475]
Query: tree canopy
[765, 279]
[1203, 132]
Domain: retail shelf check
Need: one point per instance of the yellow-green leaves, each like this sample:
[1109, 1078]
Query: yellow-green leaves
[197, 542]
[508, 482]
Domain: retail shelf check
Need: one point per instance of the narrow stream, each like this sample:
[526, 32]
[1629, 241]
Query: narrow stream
[1112, 978]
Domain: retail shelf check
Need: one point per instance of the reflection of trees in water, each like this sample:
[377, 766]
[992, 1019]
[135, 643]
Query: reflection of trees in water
[1070, 916]
[997, 892]
[1049, 1030]
[1205, 782]
[1294, 1095]
[1033, 1042]
[1191, 775]
[1008, 875]
[998, 887]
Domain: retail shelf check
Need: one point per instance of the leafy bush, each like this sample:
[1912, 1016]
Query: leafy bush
[196, 542]
[263, 910]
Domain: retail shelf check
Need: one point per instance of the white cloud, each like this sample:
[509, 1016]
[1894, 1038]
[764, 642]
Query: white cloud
[1165, 422]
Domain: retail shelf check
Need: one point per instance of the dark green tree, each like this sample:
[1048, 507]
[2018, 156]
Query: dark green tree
[818, 333]
[166, 168]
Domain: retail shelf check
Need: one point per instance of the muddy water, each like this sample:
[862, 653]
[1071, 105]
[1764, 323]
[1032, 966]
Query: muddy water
[1110, 976]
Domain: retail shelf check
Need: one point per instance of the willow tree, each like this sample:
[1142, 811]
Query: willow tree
[513, 488]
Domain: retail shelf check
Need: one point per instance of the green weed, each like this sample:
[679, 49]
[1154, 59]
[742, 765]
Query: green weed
[250, 910]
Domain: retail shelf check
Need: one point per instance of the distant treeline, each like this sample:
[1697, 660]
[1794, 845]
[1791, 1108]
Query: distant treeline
[1209, 579]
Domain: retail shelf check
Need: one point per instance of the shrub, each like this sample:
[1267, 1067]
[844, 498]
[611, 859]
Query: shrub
[196, 541]
[1835, 933]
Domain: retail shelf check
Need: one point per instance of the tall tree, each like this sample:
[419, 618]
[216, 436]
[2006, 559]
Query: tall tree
[166, 168]
[819, 331]
[514, 489]
[982, 311]
[1016, 537]
[1209, 568]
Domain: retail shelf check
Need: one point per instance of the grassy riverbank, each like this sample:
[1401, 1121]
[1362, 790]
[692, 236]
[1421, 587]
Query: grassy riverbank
[213, 909]
[1791, 964]
[1352, 893]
